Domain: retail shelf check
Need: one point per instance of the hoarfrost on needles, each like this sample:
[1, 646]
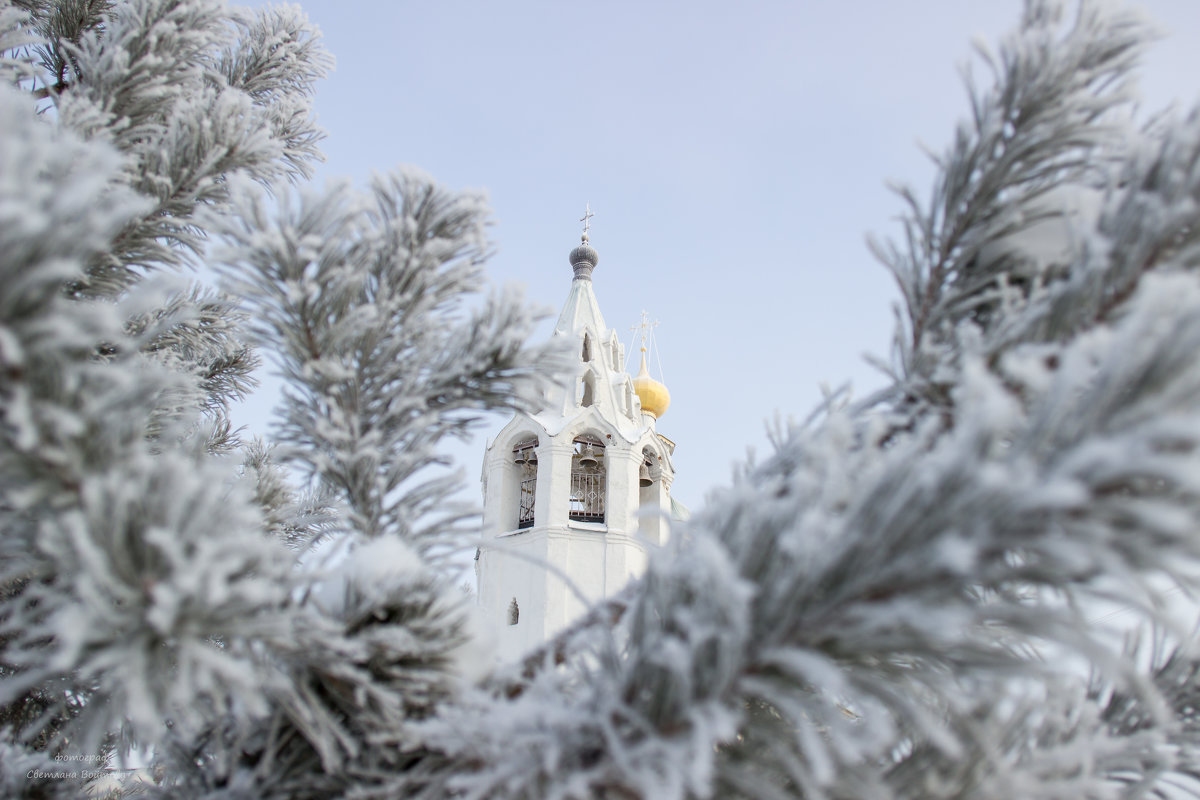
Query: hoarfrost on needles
[900, 601]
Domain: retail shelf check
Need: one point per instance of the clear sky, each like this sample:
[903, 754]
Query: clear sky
[735, 156]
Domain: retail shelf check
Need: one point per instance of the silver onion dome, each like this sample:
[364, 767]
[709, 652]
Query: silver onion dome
[584, 259]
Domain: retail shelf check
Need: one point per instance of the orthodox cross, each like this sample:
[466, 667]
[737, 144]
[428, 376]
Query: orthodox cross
[586, 219]
[645, 327]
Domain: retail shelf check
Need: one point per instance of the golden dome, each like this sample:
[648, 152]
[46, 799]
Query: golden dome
[655, 397]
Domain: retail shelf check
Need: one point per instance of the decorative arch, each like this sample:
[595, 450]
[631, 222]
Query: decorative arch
[589, 480]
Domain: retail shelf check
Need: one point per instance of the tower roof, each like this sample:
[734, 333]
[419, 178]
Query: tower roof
[581, 311]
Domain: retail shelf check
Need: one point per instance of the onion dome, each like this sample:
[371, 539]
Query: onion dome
[655, 397]
[584, 259]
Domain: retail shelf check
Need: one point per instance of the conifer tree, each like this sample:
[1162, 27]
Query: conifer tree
[123, 125]
[904, 600]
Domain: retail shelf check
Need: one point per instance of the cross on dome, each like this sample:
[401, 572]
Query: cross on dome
[644, 328]
[586, 219]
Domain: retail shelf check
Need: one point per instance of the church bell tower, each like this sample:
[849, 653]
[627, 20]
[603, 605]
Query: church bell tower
[576, 494]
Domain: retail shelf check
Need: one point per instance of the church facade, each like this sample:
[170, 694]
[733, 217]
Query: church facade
[577, 494]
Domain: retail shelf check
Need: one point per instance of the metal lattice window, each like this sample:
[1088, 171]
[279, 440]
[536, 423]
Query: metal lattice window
[587, 497]
[528, 497]
[588, 480]
[525, 458]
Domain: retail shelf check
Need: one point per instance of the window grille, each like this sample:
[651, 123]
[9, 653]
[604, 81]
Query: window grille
[588, 479]
[528, 496]
[587, 496]
[525, 459]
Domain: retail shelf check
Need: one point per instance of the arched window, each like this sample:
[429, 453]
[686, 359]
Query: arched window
[514, 612]
[588, 479]
[525, 458]
[587, 347]
[589, 390]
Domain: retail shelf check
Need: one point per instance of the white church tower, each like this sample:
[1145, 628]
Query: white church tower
[577, 494]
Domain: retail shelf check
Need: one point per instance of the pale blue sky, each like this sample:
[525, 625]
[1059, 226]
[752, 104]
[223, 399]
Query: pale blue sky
[735, 156]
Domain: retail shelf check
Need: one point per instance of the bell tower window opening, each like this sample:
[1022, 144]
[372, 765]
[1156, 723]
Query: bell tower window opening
[514, 612]
[526, 462]
[652, 500]
[649, 472]
[589, 390]
[588, 480]
[587, 347]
